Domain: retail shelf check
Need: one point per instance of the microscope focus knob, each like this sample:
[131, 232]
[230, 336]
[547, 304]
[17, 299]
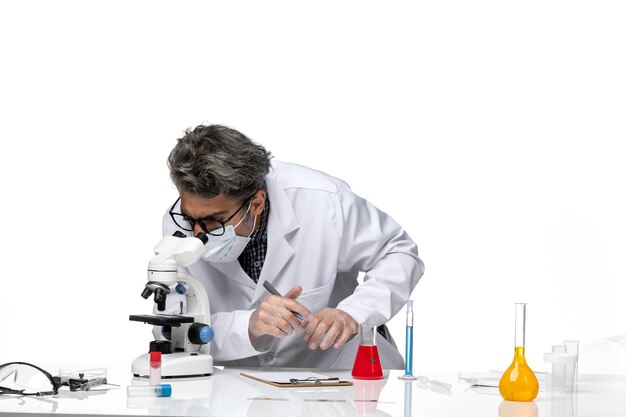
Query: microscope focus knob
[200, 333]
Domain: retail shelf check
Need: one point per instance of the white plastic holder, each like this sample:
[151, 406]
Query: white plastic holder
[560, 370]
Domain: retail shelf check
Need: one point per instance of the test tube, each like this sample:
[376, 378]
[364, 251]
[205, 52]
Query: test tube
[155, 368]
[409, 338]
[571, 347]
[162, 390]
[408, 369]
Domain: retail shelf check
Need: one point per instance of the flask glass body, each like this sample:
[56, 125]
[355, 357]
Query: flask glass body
[519, 383]
[367, 362]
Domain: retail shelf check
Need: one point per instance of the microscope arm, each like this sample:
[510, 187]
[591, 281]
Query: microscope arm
[197, 301]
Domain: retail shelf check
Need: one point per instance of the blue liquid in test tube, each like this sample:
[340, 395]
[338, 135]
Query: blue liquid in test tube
[408, 369]
[409, 338]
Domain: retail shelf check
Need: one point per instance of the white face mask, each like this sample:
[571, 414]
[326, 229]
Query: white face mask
[227, 247]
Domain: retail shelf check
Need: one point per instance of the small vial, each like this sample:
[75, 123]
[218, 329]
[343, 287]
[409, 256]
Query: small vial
[162, 390]
[155, 368]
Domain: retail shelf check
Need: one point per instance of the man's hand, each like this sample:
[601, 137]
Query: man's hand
[274, 316]
[330, 326]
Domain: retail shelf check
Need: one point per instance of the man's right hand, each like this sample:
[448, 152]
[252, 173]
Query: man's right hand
[274, 316]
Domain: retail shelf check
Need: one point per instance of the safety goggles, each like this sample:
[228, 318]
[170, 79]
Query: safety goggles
[21, 378]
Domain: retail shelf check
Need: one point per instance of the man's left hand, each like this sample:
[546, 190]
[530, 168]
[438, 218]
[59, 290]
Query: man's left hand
[330, 326]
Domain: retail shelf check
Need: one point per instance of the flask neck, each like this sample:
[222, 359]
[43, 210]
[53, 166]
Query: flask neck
[520, 325]
[368, 335]
[519, 354]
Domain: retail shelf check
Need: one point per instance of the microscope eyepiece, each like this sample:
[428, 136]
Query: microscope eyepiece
[147, 292]
[203, 237]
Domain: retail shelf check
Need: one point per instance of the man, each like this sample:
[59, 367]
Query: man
[304, 232]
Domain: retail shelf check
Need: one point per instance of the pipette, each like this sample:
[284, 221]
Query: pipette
[434, 385]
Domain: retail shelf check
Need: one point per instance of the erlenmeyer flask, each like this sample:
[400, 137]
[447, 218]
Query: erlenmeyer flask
[519, 383]
[367, 362]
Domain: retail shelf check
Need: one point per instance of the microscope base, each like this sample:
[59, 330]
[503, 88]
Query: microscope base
[176, 365]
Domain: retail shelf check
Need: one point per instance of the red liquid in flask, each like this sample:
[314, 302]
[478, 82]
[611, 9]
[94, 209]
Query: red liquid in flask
[367, 363]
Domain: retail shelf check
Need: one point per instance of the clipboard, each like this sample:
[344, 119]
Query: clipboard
[296, 379]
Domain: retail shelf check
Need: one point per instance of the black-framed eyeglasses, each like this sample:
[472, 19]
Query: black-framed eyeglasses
[209, 225]
[21, 378]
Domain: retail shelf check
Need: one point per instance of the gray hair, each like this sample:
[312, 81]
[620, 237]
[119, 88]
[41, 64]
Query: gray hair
[212, 160]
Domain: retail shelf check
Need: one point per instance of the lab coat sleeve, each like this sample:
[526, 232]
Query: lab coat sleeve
[232, 340]
[373, 243]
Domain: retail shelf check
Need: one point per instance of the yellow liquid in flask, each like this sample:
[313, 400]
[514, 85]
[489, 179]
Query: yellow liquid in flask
[519, 383]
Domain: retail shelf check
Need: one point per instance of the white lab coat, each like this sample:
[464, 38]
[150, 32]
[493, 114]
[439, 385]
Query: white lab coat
[320, 236]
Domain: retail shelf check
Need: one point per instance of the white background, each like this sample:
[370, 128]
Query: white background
[491, 130]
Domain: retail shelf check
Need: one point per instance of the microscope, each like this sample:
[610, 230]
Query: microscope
[186, 350]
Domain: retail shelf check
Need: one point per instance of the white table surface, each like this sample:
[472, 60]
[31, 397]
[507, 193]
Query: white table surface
[226, 393]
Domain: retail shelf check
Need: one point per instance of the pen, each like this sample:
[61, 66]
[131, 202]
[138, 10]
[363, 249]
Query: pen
[273, 291]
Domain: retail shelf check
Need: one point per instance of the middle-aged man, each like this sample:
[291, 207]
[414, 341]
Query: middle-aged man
[303, 231]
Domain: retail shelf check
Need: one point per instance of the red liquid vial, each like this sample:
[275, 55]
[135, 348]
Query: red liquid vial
[367, 362]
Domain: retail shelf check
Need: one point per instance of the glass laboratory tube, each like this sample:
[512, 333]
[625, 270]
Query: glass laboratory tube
[520, 325]
[408, 368]
[571, 347]
[408, 354]
[162, 390]
[155, 368]
[519, 383]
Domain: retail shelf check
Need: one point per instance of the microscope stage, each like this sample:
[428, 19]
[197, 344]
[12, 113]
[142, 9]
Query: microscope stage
[161, 320]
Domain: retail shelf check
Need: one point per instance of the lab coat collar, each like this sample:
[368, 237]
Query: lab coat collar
[282, 221]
